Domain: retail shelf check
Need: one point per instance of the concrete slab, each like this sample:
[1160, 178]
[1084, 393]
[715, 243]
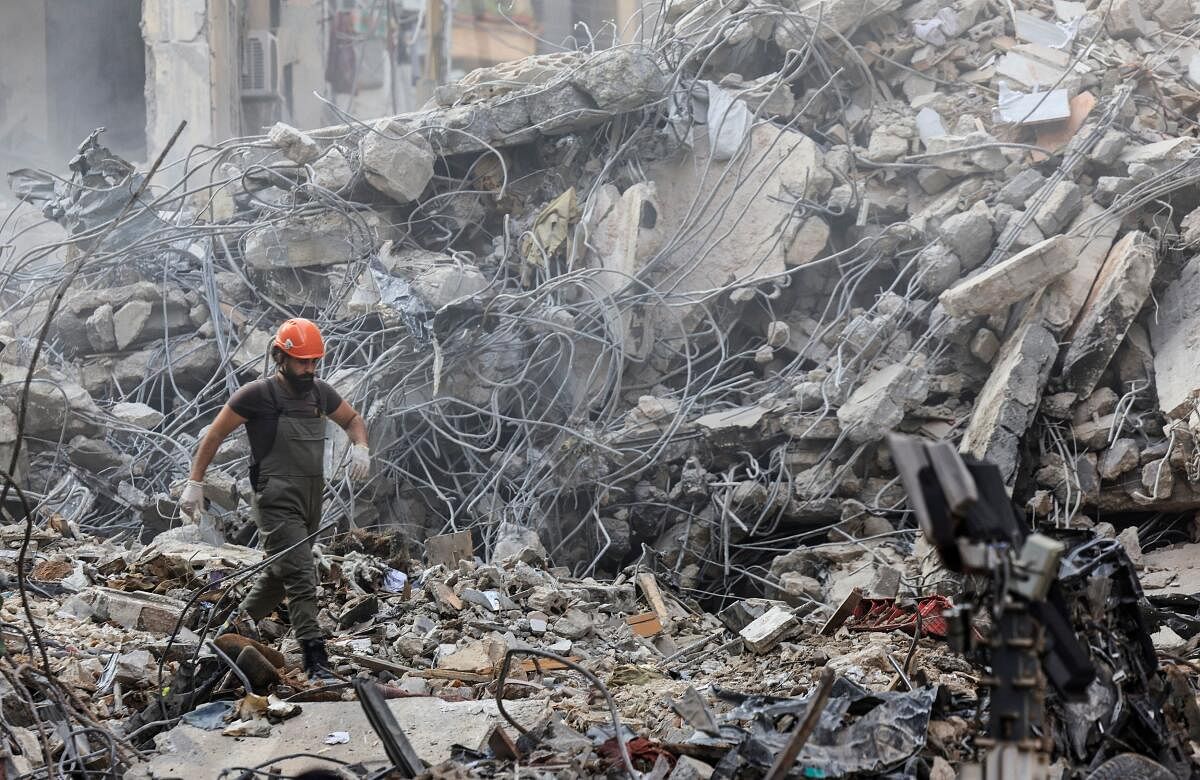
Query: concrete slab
[1121, 288]
[1005, 283]
[431, 725]
[1174, 336]
[1008, 402]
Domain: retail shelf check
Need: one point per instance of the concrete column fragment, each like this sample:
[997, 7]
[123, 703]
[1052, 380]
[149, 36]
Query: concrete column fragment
[1116, 298]
[1173, 337]
[1002, 285]
[1088, 239]
[1009, 399]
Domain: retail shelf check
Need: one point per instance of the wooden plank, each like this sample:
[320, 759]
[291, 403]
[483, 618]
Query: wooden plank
[502, 745]
[842, 613]
[449, 549]
[377, 665]
[442, 594]
[451, 674]
[649, 586]
[545, 664]
[645, 624]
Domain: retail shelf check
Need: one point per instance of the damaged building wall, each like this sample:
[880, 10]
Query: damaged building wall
[193, 70]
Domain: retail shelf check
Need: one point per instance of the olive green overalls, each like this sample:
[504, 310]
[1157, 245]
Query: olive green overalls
[286, 508]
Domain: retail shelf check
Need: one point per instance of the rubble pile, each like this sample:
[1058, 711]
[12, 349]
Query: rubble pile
[118, 625]
[656, 306]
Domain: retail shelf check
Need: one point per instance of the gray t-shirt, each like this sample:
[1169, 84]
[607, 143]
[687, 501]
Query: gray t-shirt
[263, 401]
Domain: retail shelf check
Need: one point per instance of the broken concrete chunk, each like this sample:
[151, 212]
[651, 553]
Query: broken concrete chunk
[1093, 433]
[1009, 399]
[1089, 239]
[969, 235]
[621, 79]
[984, 345]
[332, 170]
[1133, 547]
[1109, 188]
[1124, 19]
[1166, 640]
[101, 331]
[138, 414]
[1058, 405]
[767, 631]
[1064, 201]
[886, 146]
[938, 268]
[1020, 189]
[95, 455]
[1098, 404]
[141, 611]
[1173, 335]
[443, 284]
[880, 402]
[1117, 296]
[305, 241]
[396, 163]
[1157, 478]
[688, 768]
[296, 145]
[1009, 281]
[1120, 458]
[130, 321]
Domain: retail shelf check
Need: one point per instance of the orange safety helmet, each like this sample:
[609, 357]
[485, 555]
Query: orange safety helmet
[301, 339]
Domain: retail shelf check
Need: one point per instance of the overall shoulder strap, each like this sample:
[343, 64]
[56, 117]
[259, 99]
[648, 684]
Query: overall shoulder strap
[273, 395]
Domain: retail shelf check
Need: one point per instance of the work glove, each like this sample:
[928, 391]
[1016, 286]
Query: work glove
[191, 500]
[360, 462]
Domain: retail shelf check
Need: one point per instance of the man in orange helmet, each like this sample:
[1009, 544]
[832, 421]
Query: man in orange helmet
[284, 415]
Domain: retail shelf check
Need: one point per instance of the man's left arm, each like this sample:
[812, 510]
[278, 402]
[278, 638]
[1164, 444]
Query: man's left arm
[352, 422]
[360, 455]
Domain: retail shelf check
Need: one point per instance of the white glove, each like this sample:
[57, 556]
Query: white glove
[360, 462]
[191, 500]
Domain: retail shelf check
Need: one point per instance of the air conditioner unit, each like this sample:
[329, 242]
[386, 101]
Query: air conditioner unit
[260, 65]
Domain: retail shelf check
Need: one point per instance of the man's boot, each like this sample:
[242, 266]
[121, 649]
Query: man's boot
[316, 660]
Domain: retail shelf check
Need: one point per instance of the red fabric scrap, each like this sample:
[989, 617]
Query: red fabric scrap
[887, 615]
[642, 752]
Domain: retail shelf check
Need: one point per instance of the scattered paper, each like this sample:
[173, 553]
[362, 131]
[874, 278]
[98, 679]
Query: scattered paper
[337, 738]
[394, 581]
[938, 30]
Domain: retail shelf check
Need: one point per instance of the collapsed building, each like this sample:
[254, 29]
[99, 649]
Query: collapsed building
[637, 322]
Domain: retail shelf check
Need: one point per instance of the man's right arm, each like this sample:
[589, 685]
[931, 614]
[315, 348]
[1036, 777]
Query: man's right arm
[226, 421]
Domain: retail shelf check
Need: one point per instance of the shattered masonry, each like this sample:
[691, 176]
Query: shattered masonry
[628, 328]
